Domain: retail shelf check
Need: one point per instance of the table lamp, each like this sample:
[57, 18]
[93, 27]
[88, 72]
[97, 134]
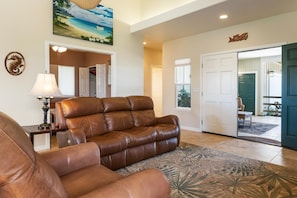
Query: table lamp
[45, 88]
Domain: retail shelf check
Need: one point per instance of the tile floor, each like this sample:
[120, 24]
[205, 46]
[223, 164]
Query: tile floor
[254, 150]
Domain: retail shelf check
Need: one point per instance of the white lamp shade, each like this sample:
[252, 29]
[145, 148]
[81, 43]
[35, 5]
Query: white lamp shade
[45, 86]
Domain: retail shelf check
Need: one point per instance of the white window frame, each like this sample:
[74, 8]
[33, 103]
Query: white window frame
[182, 73]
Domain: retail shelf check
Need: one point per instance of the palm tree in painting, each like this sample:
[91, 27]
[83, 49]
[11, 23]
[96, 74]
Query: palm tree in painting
[57, 11]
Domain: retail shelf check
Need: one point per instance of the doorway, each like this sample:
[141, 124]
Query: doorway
[89, 56]
[264, 113]
[94, 81]
[247, 90]
[259, 86]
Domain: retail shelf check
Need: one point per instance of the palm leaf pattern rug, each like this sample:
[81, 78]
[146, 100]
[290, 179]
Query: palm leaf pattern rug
[195, 171]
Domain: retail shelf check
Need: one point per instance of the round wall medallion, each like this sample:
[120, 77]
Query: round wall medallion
[15, 63]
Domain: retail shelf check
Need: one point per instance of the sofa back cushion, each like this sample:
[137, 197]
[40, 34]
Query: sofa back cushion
[23, 173]
[117, 113]
[85, 113]
[142, 110]
[77, 107]
[116, 104]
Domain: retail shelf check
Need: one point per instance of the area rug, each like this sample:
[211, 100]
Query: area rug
[257, 128]
[202, 172]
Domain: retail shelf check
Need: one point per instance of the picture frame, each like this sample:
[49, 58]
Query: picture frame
[94, 25]
[15, 63]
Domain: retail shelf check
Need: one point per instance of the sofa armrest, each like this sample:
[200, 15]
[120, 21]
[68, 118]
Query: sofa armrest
[169, 119]
[150, 183]
[64, 138]
[70, 137]
[59, 118]
[72, 158]
[78, 136]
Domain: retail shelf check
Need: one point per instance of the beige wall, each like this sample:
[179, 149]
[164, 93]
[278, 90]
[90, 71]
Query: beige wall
[155, 7]
[151, 57]
[265, 32]
[27, 25]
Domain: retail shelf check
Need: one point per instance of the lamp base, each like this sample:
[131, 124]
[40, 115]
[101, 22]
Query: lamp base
[44, 126]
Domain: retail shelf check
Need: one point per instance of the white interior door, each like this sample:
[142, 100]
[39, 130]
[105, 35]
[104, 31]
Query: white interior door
[101, 80]
[157, 73]
[219, 94]
[84, 81]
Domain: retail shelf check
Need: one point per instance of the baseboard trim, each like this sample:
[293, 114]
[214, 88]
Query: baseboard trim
[191, 129]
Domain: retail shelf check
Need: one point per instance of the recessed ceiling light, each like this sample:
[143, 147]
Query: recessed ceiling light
[144, 43]
[223, 16]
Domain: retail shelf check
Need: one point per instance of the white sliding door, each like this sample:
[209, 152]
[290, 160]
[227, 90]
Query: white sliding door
[219, 94]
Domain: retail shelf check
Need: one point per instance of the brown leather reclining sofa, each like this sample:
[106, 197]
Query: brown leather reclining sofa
[73, 171]
[125, 128]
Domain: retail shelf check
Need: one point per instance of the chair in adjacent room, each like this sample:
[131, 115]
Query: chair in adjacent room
[240, 106]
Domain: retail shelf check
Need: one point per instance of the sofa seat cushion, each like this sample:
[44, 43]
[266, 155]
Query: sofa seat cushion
[141, 136]
[88, 179]
[110, 143]
[166, 131]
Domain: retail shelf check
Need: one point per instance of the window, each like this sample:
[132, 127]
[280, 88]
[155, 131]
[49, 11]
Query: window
[66, 80]
[183, 83]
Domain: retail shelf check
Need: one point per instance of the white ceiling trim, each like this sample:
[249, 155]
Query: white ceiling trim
[173, 14]
[202, 16]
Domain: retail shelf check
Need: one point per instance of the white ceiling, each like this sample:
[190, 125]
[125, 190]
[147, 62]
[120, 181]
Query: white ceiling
[191, 19]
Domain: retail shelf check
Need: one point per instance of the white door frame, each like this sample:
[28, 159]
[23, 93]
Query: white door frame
[81, 48]
[157, 104]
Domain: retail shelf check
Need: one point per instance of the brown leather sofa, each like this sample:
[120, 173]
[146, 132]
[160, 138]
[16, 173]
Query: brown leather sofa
[73, 171]
[125, 128]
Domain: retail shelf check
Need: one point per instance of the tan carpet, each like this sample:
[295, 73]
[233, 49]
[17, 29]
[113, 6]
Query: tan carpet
[202, 172]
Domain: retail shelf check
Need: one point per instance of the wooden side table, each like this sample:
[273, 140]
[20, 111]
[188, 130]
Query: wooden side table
[33, 130]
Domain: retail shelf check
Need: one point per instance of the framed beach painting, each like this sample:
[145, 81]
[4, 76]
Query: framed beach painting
[95, 25]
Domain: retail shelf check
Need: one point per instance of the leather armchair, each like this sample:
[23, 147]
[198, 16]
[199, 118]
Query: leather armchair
[73, 171]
